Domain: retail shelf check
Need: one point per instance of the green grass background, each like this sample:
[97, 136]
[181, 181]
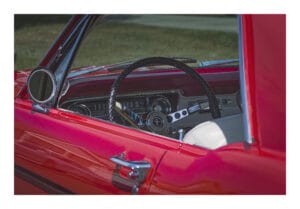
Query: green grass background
[117, 41]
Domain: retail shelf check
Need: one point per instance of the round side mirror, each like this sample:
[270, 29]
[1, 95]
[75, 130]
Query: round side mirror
[41, 85]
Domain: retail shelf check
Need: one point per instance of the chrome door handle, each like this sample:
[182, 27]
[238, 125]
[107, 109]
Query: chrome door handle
[138, 173]
[134, 165]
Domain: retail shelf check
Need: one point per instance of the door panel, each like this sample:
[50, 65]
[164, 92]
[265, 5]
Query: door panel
[74, 151]
[233, 169]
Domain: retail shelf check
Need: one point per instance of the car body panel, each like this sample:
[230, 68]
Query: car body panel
[23, 187]
[233, 169]
[264, 51]
[74, 151]
[63, 155]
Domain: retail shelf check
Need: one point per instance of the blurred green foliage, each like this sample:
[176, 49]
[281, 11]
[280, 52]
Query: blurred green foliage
[117, 41]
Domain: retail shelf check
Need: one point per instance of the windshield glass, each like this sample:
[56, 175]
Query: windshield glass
[122, 38]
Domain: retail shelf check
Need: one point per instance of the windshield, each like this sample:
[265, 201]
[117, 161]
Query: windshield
[125, 38]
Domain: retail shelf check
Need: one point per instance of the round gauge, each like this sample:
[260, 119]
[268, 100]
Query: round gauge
[161, 104]
[80, 108]
[157, 122]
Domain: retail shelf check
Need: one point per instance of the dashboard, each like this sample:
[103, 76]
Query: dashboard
[152, 110]
[139, 102]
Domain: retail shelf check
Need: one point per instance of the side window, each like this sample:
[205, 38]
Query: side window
[119, 38]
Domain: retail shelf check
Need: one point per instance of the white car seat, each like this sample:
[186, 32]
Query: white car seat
[216, 133]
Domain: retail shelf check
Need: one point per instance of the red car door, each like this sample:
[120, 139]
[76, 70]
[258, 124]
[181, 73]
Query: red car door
[61, 152]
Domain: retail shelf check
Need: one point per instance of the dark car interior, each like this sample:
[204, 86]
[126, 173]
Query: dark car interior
[161, 98]
[147, 97]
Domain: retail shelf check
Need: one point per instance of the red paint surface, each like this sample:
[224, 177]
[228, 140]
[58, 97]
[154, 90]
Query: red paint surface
[74, 151]
[23, 187]
[230, 170]
[264, 48]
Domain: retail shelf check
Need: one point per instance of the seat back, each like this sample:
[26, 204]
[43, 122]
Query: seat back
[216, 133]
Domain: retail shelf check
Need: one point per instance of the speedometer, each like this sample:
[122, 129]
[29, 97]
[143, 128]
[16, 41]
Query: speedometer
[161, 104]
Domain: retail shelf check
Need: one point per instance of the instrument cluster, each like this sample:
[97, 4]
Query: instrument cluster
[140, 104]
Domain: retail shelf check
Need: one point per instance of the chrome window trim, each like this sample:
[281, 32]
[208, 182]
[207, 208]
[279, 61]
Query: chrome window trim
[246, 122]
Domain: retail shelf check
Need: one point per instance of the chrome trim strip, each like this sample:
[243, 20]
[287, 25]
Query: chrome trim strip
[216, 62]
[53, 43]
[74, 74]
[40, 182]
[183, 113]
[246, 122]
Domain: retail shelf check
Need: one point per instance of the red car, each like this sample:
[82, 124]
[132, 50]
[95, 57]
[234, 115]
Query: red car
[158, 124]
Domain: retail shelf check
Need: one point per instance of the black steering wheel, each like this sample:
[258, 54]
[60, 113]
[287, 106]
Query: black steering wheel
[213, 104]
